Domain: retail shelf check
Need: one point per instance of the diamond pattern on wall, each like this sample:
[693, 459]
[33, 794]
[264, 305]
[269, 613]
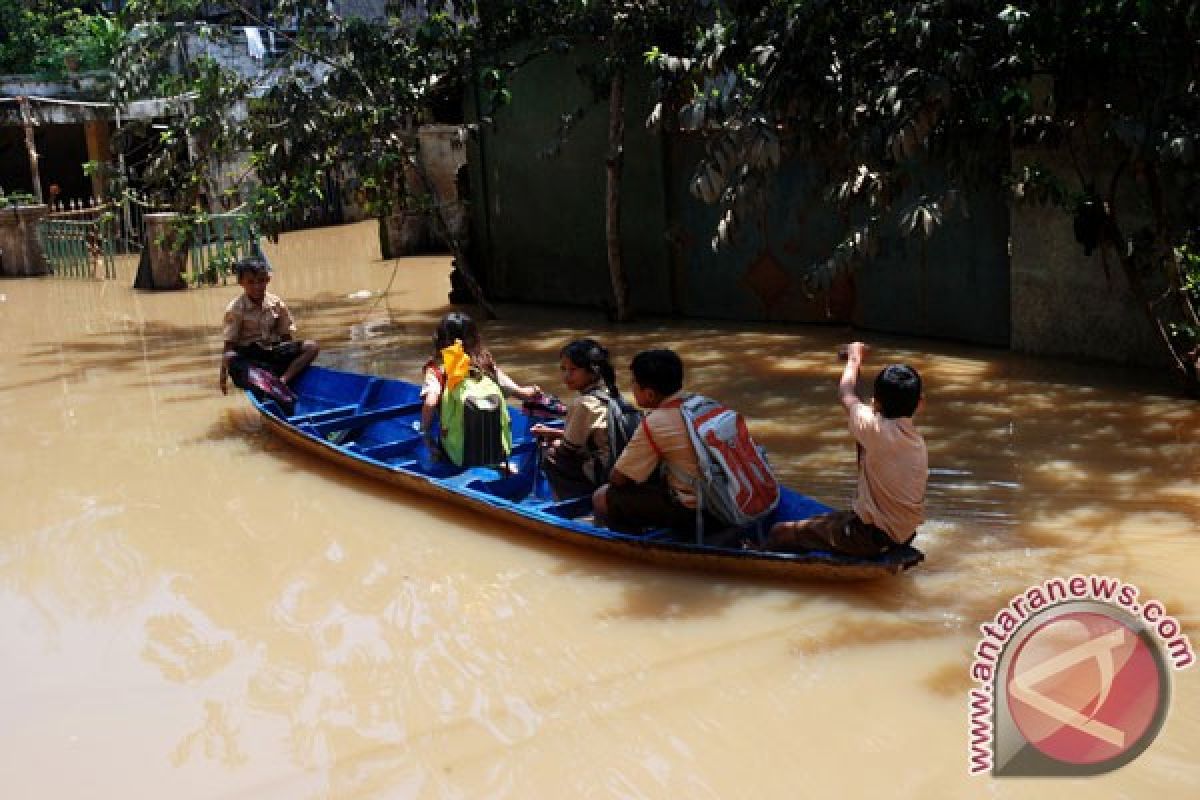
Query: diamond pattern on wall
[767, 280]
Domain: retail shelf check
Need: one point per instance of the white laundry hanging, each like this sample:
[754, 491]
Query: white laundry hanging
[254, 42]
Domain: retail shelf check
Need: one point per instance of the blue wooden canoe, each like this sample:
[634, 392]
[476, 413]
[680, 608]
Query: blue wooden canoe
[367, 424]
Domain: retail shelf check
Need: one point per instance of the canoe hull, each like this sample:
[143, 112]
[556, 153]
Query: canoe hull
[674, 553]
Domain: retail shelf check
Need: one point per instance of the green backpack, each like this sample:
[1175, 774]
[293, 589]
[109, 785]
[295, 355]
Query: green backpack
[476, 429]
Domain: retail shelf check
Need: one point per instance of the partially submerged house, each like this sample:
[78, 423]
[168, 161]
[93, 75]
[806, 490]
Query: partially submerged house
[52, 124]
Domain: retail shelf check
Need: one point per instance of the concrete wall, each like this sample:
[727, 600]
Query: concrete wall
[20, 252]
[230, 47]
[443, 153]
[84, 86]
[371, 10]
[1065, 303]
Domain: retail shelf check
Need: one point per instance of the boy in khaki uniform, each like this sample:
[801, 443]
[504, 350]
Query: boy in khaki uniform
[648, 486]
[258, 329]
[892, 469]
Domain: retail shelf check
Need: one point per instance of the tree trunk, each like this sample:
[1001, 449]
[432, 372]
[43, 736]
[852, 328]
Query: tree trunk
[616, 148]
[1163, 258]
[31, 147]
[1133, 275]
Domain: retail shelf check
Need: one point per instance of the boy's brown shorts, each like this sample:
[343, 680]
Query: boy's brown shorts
[637, 506]
[838, 532]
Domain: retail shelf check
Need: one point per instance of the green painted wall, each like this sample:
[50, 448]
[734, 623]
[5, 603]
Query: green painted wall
[538, 217]
[539, 228]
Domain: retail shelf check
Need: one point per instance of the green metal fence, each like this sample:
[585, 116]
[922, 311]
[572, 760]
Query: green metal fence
[81, 244]
[219, 240]
[79, 248]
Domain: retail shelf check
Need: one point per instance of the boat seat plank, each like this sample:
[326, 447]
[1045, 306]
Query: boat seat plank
[368, 390]
[366, 418]
[655, 534]
[554, 506]
[322, 416]
[385, 450]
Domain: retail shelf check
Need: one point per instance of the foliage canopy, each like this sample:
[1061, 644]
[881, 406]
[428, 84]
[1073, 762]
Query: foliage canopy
[873, 91]
[51, 38]
[876, 91]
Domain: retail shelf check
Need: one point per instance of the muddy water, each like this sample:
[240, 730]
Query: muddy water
[192, 610]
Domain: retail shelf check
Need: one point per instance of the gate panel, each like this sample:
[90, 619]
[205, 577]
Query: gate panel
[80, 248]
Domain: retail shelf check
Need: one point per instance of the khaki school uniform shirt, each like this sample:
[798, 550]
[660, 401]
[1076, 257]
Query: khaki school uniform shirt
[246, 323]
[892, 471]
[639, 459]
[586, 426]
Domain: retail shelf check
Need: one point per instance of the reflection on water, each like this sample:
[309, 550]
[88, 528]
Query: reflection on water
[195, 610]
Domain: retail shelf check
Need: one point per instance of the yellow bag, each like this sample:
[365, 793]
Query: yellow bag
[456, 363]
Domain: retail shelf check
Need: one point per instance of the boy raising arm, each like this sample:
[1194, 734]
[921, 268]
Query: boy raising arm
[893, 466]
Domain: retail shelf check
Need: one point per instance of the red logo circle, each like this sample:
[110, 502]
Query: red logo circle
[1084, 688]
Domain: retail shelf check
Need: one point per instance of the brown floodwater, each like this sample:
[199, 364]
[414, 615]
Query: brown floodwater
[192, 609]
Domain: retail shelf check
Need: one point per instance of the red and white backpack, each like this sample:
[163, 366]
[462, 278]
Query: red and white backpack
[736, 482]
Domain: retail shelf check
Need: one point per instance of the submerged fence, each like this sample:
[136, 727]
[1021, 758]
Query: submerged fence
[81, 236]
[79, 248]
[127, 226]
[218, 240]
[80, 239]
